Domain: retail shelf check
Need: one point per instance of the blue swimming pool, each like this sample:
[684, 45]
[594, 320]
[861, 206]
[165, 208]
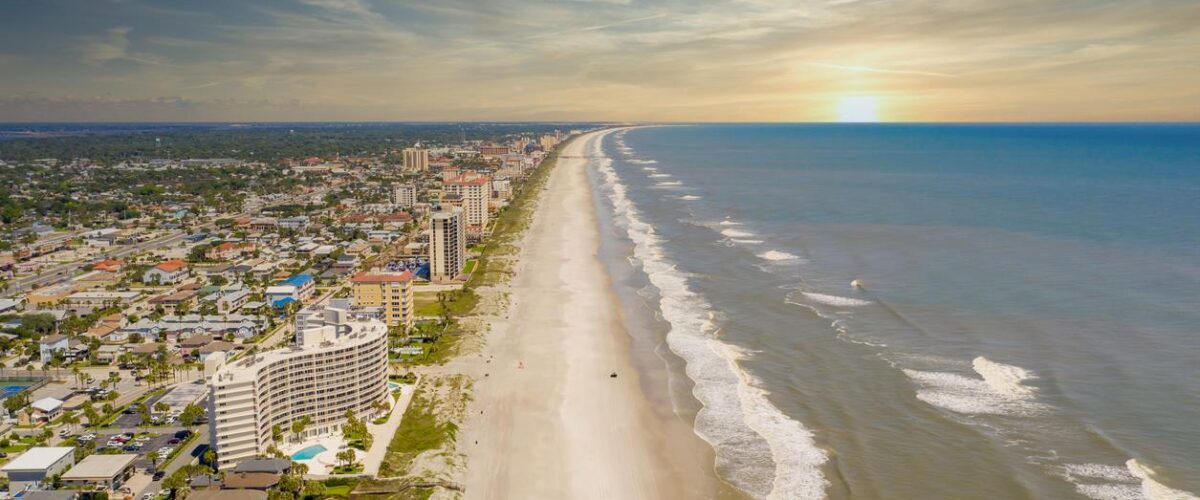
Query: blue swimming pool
[393, 386]
[308, 452]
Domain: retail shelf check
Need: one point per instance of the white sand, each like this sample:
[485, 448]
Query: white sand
[553, 423]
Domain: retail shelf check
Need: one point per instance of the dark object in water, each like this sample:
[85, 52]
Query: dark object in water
[612, 375]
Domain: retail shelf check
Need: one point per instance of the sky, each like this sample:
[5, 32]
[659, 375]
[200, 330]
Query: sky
[601, 60]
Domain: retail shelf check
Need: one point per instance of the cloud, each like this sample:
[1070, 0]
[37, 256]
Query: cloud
[622, 60]
[881, 70]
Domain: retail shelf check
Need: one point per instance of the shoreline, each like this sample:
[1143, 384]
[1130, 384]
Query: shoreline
[548, 419]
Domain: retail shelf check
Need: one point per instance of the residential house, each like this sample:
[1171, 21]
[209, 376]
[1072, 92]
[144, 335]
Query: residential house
[169, 272]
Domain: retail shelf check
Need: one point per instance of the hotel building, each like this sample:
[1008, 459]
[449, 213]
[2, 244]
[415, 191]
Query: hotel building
[337, 363]
[476, 193]
[447, 246]
[391, 292]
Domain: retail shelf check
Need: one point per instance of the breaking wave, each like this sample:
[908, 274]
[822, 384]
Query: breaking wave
[1000, 390]
[834, 300]
[759, 450]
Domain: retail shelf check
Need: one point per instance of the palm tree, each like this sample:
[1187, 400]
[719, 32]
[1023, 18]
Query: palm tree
[70, 418]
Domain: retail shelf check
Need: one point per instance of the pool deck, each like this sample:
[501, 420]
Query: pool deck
[321, 465]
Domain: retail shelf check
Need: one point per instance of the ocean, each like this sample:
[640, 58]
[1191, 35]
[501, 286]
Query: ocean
[1028, 324]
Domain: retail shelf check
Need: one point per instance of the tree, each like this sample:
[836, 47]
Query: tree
[276, 433]
[16, 402]
[153, 457]
[144, 411]
[315, 489]
[299, 425]
[190, 415]
[70, 418]
[346, 457]
[209, 458]
[89, 411]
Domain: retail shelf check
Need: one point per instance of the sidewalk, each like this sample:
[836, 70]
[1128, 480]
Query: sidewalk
[383, 433]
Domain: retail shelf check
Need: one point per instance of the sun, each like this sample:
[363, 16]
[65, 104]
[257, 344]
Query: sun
[857, 109]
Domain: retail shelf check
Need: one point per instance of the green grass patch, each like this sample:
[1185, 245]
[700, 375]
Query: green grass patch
[420, 430]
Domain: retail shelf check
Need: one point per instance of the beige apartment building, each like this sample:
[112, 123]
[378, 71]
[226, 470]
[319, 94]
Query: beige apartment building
[416, 159]
[476, 193]
[337, 363]
[391, 292]
[447, 245]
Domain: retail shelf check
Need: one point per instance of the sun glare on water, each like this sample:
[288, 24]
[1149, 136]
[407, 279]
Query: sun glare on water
[857, 109]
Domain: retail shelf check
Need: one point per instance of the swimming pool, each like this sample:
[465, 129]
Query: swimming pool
[393, 386]
[308, 452]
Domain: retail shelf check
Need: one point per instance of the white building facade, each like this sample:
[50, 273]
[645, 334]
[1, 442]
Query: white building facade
[337, 363]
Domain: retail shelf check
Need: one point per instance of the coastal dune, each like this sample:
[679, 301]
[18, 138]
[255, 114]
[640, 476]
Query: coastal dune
[548, 420]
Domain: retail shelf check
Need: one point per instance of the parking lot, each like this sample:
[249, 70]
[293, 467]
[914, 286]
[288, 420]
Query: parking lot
[140, 444]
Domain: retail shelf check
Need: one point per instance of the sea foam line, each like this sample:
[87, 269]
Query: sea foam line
[737, 418]
[1000, 390]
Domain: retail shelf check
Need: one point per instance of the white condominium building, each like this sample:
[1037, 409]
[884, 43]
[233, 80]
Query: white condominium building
[416, 159]
[476, 193]
[447, 246]
[338, 362]
[404, 195]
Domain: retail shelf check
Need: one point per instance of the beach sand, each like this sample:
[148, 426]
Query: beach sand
[549, 420]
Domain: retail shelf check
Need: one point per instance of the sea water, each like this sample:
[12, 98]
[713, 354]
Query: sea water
[1028, 324]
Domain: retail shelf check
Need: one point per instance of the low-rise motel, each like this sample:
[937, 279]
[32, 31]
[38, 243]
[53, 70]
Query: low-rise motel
[338, 362]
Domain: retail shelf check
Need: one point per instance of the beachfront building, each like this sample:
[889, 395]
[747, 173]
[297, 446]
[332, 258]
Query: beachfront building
[476, 193]
[447, 245]
[404, 195]
[391, 292]
[416, 159]
[338, 362]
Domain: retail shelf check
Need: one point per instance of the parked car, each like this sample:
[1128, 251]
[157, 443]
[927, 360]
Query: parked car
[158, 475]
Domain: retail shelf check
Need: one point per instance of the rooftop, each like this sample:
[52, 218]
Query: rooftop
[38, 458]
[100, 466]
[171, 266]
[366, 277]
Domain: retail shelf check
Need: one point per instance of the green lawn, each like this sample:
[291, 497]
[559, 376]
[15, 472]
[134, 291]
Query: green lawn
[420, 430]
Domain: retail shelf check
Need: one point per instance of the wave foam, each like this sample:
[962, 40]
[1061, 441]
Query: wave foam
[689, 197]
[834, 300]
[668, 183]
[1152, 489]
[736, 233]
[759, 450]
[1000, 390]
[658, 176]
[746, 241]
[642, 162]
[776, 256]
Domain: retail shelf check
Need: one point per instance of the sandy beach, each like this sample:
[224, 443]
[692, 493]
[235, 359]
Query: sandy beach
[549, 420]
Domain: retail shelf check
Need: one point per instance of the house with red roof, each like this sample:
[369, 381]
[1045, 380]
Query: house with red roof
[166, 273]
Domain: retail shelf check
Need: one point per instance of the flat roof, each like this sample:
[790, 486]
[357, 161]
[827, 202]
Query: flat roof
[40, 458]
[100, 466]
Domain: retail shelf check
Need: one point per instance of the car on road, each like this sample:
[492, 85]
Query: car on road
[158, 475]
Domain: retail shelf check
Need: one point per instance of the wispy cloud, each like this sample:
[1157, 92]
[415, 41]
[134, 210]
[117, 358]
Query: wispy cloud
[866, 69]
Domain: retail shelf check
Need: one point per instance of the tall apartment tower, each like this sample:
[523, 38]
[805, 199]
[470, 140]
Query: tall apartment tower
[404, 195]
[447, 246]
[476, 193]
[416, 159]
